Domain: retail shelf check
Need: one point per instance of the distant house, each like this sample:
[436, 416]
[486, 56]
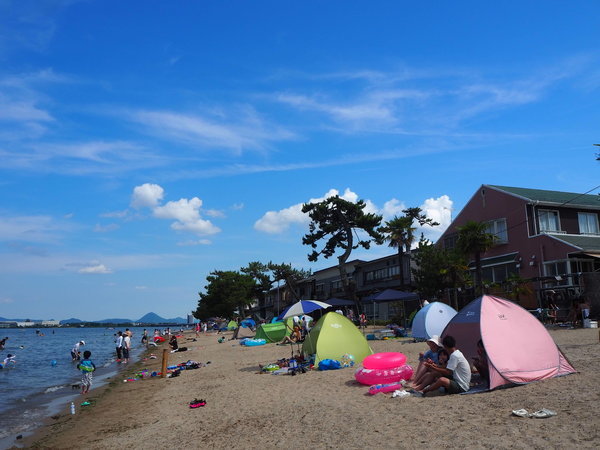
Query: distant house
[551, 238]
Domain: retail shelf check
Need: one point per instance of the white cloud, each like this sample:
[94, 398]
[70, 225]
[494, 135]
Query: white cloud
[237, 131]
[237, 206]
[194, 243]
[214, 213]
[105, 228]
[274, 222]
[6, 300]
[147, 196]
[116, 214]
[185, 212]
[141, 288]
[439, 209]
[31, 229]
[392, 208]
[95, 269]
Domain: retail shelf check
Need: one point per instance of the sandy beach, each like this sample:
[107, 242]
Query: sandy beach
[329, 409]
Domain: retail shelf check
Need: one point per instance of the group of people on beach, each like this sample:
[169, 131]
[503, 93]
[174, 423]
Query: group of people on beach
[123, 345]
[445, 366]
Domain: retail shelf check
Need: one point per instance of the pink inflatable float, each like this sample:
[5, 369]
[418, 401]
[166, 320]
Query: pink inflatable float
[383, 376]
[384, 360]
[383, 368]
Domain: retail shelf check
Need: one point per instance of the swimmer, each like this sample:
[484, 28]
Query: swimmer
[10, 359]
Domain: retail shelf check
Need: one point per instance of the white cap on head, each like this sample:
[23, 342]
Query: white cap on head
[436, 340]
[82, 342]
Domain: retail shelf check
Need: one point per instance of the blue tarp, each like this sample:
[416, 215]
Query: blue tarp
[339, 302]
[391, 295]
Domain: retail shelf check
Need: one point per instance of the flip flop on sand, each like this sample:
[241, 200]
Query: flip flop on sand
[542, 414]
[520, 412]
[197, 403]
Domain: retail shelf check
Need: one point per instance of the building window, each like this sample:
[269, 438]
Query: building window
[374, 275]
[336, 286]
[558, 270]
[450, 241]
[548, 220]
[498, 229]
[394, 271]
[588, 223]
[498, 274]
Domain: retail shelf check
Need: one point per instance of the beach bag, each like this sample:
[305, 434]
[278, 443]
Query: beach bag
[329, 364]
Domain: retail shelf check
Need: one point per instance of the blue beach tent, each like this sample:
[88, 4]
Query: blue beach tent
[431, 320]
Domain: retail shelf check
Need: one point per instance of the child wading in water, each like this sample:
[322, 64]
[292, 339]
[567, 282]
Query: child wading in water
[87, 367]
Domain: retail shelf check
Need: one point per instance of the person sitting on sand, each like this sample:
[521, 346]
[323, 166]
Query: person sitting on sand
[430, 375]
[430, 355]
[480, 362]
[294, 337]
[456, 376]
[173, 343]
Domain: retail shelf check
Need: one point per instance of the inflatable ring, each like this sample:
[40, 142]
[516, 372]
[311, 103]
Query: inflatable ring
[371, 377]
[159, 339]
[384, 360]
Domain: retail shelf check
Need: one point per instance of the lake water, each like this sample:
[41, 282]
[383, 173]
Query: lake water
[36, 387]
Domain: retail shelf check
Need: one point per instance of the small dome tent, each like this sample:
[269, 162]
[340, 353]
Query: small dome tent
[431, 320]
[518, 346]
[334, 336]
[275, 332]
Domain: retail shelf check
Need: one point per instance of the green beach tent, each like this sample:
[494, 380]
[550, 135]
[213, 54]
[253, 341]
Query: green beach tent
[275, 332]
[334, 336]
[232, 325]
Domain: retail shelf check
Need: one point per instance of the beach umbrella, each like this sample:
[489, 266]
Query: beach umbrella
[303, 307]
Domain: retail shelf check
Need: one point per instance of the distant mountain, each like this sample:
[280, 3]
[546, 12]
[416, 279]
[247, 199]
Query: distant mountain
[155, 318]
[71, 320]
[114, 321]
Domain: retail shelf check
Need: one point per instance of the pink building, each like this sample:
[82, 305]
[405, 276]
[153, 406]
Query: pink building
[551, 238]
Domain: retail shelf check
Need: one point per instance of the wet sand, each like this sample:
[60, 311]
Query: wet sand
[325, 409]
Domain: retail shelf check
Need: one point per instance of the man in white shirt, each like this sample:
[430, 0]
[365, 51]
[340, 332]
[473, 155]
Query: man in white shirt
[456, 376]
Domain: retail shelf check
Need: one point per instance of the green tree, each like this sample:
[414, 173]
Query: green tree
[290, 276]
[226, 291]
[263, 282]
[399, 233]
[473, 240]
[339, 221]
[429, 274]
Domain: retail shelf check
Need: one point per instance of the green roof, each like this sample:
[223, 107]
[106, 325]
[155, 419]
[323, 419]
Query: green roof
[553, 197]
[585, 242]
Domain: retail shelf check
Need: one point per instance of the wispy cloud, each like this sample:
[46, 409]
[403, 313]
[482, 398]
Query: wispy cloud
[95, 269]
[418, 102]
[37, 229]
[236, 132]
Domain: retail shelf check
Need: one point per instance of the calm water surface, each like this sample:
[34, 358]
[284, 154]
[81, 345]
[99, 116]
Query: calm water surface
[35, 386]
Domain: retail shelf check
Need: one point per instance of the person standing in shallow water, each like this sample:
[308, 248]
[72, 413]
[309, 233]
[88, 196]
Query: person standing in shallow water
[75, 353]
[87, 367]
[119, 346]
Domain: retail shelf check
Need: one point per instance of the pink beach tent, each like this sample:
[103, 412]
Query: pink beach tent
[519, 348]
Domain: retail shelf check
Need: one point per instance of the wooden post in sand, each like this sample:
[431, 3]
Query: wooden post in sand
[165, 361]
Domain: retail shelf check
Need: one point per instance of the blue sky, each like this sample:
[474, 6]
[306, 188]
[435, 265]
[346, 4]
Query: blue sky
[144, 144]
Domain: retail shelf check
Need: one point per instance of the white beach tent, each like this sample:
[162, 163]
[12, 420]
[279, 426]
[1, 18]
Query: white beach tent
[431, 320]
